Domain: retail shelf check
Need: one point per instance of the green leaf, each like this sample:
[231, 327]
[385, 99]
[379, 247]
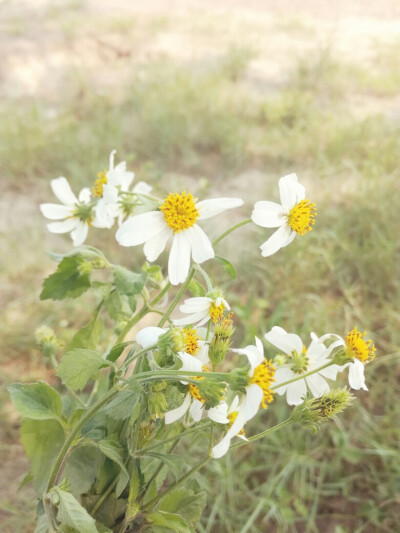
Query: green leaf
[118, 307]
[122, 406]
[42, 440]
[111, 448]
[37, 401]
[172, 461]
[42, 525]
[127, 282]
[70, 280]
[78, 366]
[185, 501]
[116, 351]
[89, 336]
[196, 288]
[71, 513]
[171, 521]
[82, 468]
[227, 266]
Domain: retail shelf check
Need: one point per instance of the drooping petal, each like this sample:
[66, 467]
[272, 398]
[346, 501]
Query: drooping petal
[149, 336]
[317, 385]
[79, 234]
[252, 401]
[140, 228]
[291, 191]
[296, 392]
[279, 239]
[142, 188]
[202, 355]
[356, 375]
[63, 227]
[179, 258]
[330, 372]
[268, 215]
[215, 206]
[179, 412]
[219, 413]
[287, 342]
[62, 190]
[260, 348]
[196, 410]
[155, 246]
[201, 316]
[200, 244]
[55, 211]
[253, 355]
[189, 363]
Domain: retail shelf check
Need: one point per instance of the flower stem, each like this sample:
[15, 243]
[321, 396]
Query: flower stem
[175, 301]
[302, 376]
[263, 434]
[228, 231]
[134, 356]
[195, 429]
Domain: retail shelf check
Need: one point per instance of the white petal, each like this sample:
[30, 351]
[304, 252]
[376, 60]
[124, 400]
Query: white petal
[140, 228]
[111, 160]
[268, 215]
[105, 214]
[330, 372]
[62, 190]
[252, 401]
[55, 211]
[291, 191]
[287, 342]
[219, 413]
[189, 363]
[260, 347]
[194, 305]
[222, 447]
[296, 392]
[202, 355]
[142, 188]
[63, 227]
[234, 405]
[211, 208]
[356, 375]
[282, 375]
[279, 239]
[153, 248]
[149, 336]
[176, 414]
[192, 319]
[79, 234]
[253, 355]
[179, 258]
[317, 385]
[196, 410]
[200, 244]
[110, 193]
[85, 195]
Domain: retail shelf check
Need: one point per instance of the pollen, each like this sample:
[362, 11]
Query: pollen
[192, 345]
[180, 211]
[216, 312]
[97, 188]
[232, 417]
[358, 347]
[302, 217]
[194, 389]
[263, 377]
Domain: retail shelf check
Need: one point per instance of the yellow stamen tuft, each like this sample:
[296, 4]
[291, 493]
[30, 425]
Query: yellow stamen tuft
[232, 417]
[361, 349]
[194, 389]
[180, 211]
[192, 345]
[263, 377]
[302, 217]
[97, 188]
[216, 312]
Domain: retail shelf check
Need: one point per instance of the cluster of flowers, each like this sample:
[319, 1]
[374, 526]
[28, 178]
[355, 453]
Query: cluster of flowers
[295, 371]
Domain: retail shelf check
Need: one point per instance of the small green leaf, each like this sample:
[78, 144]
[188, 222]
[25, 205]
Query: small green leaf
[89, 336]
[82, 468]
[227, 266]
[42, 524]
[111, 448]
[78, 366]
[118, 307]
[72, 514]
[171, 521]
[185, 502]
[127, 282]
[70, 280]
[196, 288]
[122, 406]
[172, 461]
[116, 351]
[36, 400]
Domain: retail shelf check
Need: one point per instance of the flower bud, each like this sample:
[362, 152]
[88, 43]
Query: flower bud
[220, 342]
[85, 267]
[342, 357]
[156, 400]
[239, 379]
[213, 392]
[47, 341]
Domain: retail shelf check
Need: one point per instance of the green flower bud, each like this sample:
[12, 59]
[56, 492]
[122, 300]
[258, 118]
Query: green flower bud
[239, 379]
[212, 392]
[85, 267]
[47, 341]
[220, 342]
[342, 357]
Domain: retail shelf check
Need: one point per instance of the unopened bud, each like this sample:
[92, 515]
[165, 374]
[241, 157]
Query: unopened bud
[85, 267]
[213, 392]
[221, 342]
[239, 379]
[47, 341]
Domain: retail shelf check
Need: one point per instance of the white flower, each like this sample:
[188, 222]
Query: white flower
[201, 309]
[296, 215]
[176, 219]
[301, 361]
[75, 214]
[261, 374]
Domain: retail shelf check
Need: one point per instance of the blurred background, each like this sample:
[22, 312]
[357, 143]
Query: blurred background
[221, 98]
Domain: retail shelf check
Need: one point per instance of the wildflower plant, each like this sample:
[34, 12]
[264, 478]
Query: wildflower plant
[103, 442]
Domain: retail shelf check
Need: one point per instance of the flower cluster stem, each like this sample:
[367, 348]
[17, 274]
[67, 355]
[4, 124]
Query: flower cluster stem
[228, 231]
[178, 296]
[302, 376]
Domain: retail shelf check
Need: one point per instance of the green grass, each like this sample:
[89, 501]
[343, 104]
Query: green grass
[211, 122]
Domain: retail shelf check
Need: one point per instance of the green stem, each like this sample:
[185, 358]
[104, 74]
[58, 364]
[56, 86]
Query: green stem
[179, 375]
[133, 357]
[302, 376]
[198, 427]
[205, 276]
[103, 497]
[160, 467]
[178, 296]
[228, 231]
[262, 434]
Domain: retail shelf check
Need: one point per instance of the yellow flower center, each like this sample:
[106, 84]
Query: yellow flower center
[263, 377]
[180, 211]
[97, 188]
[302, 217]
[216, 312]
[232, 417]
[361, 349]
[194, 389]
[192, 345]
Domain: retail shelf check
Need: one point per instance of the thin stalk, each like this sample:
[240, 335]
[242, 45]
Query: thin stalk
[103, 497]
[302, 376]
[205, 276]
[262, 434]
[134, 356]
[178, 296]
[228, 231]
[195, 429]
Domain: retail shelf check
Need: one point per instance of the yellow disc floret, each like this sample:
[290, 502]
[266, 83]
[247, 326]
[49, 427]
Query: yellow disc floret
[194, 389]
[192, 345]
[180, 211]
[263, 377]
[216, 311]
[358, 347]
[97, 188]
[302, 217]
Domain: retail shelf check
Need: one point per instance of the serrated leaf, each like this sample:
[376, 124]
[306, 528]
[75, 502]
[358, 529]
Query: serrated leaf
[127, 282]
[82, 468]
[111, 448]
[42, 440]
[227, 266]
[88, 336]
[116, 351]
[185, 501]
[122, 406]
[171, 521]
[70, 280]
[78, 366]
[72, 514]
[172, 461]
[118, 307]
[37, 401]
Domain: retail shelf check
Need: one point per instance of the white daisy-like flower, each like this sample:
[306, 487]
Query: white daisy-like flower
[295, 216]
[260, 377]
[74, 216]
[361, 350]
[201, 310]
[300, 361]
[176, 219]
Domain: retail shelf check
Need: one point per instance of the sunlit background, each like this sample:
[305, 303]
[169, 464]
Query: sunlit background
[221, 98]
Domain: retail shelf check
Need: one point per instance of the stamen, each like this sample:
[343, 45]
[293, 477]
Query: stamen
[192, 345]
[97, 189]
[180, 211]
[216, 312]
[263, 377]
[302, 217]
[361, 349]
